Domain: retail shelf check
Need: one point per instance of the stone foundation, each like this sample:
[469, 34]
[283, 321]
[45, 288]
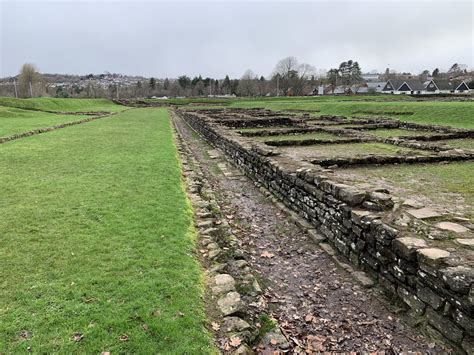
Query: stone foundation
[436, 284]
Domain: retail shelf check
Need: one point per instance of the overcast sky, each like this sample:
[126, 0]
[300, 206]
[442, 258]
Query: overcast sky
[168, 39]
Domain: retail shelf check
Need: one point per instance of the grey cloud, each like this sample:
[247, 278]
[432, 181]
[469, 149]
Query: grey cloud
[215, 38]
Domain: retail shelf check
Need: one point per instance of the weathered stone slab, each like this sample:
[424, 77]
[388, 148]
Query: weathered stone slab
[406, 247]
[468, 242]
[453, 227]
[412, 203]
[424, 213]
[432, 256]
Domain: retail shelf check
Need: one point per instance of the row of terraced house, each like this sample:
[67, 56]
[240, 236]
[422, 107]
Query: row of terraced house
[415, 87]
[399, 86]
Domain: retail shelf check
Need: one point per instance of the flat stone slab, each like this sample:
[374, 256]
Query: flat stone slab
[424, 213]
[412, 203]
[453, 227]
[213, 153]
[468, 242]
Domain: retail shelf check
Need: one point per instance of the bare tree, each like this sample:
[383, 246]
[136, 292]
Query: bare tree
[248, 84]
[300, 80]
[292, 75]
[285, 70]
[28, 77]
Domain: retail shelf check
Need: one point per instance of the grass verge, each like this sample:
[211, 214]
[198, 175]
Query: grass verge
[97, 242]
[14, 120]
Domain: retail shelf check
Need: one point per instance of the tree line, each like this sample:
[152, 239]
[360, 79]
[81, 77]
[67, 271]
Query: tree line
[289, 78]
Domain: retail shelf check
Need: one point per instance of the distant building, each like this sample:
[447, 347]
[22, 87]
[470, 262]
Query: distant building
[375, 86]
[368, 77]
[416, 87]
[446, 86]
[404, 86]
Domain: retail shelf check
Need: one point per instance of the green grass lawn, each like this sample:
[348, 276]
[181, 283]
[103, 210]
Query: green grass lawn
[298, 137]
[14, 120]
[454, 114]
[62, 105]
[97, 238]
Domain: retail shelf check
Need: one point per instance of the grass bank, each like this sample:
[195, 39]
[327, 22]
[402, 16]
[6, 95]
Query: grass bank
[14, 120]
[97, 242]
[62, 105]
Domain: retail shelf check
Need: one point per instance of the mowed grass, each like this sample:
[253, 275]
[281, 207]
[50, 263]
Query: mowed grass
[97, 239]
[62, 105]
[453, 114]
[14, 120]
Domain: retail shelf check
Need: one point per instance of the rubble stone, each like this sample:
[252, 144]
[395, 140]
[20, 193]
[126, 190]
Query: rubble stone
[230, 304]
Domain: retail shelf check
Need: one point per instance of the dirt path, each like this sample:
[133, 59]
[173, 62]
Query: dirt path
[318, 305]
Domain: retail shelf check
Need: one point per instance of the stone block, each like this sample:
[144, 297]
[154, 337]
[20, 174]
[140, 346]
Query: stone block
[351, 197]
[468, 344]
[429, 297]
[406, 247]
[444, 325]
[432, 256]
[416, 305]
[458, 278]
[464, 321]
[234, 324]
[223, 283]
[230, 304]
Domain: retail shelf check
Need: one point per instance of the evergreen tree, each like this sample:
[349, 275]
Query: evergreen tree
[152, 84]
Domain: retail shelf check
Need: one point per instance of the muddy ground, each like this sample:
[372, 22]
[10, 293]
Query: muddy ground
[318, 305]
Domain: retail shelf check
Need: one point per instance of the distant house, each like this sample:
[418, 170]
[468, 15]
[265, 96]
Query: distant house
[406, 86]
[446, 86]
[375, 86]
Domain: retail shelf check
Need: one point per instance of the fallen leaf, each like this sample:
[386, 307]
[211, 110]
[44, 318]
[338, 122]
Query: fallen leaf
[309, 318]
[235, 342]
[123, 337]
[105, 353]
[267, 255]
[77, 337]
[145, 327]
[215, 326]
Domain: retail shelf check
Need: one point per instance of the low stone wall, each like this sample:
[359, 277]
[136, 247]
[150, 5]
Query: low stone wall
[436, 285]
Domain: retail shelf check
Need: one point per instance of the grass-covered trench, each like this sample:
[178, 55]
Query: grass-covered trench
[96, 242]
